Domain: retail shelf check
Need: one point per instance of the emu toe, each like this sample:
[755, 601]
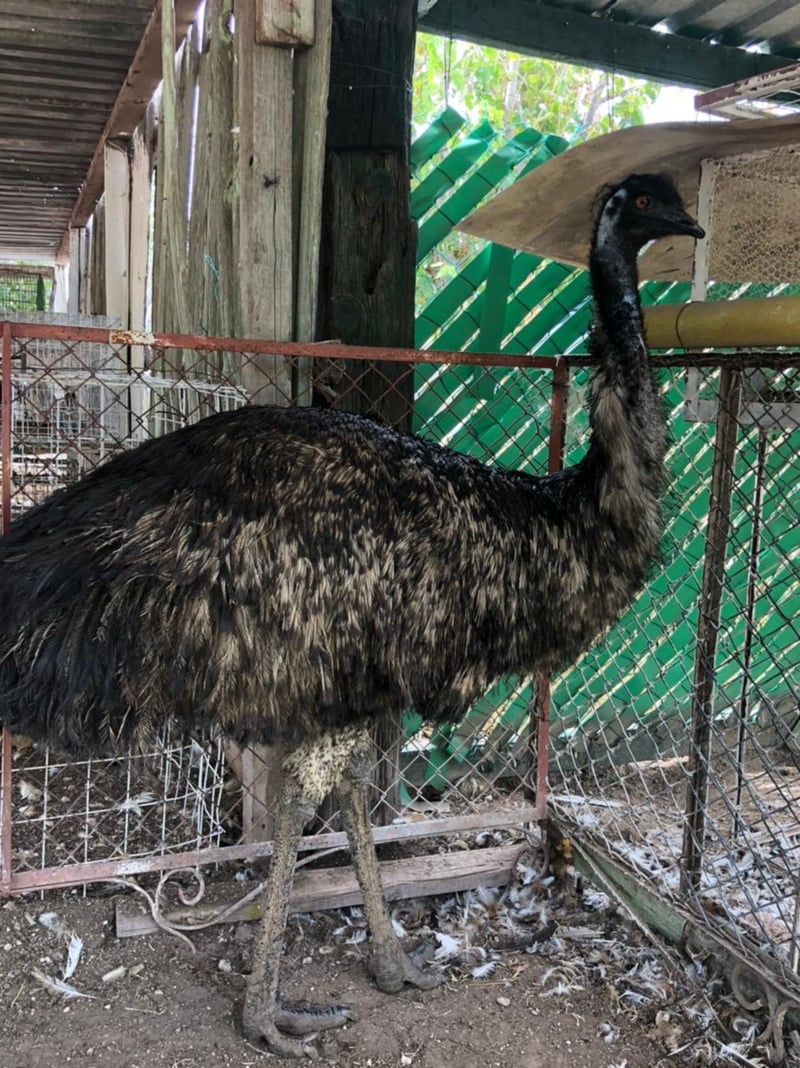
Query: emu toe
[310, 1020]
[269, 1026]
[391, 969]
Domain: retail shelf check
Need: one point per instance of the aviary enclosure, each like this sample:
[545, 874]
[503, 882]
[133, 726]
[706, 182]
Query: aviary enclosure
[674, 745]
[711, 860]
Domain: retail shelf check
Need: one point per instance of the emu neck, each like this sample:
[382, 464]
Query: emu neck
[626, 413]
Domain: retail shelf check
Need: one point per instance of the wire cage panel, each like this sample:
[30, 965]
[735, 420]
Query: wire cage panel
[675, 741]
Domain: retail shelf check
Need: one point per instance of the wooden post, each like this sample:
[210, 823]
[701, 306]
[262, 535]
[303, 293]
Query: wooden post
[214, 225]
[312, 77]
[77, 270]
[285, 23]
[266, 266]
[170, 306]
[95, 299]
[117, 212]
[141, 177]
[281, 119]
[369, 240]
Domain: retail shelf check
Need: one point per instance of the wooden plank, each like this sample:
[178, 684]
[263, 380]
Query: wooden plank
[312, 77]
[95, 297]
[57, 38]
[79, 12]
[285, 23]
[76, 265]
[574, 37]
[260, 774]
[118, 220]
[141, 179]
[265, 205]
[170, 302]
[334, 888]
[265, 268]
[214, 228]
[141, 175]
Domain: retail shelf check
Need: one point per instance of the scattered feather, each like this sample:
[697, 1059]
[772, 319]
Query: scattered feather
[449, 947]
[399, 929]
[483, 971]
[58, 986]
[56, 926]
[136, 804]
[28, 791]
[608, 1033]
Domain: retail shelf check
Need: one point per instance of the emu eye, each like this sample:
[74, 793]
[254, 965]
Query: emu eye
[642, 203]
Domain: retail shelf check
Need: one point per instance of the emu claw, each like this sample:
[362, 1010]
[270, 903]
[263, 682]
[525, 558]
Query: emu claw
[391, 969]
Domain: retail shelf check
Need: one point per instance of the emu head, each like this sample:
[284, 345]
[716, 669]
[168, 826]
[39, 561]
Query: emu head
[642, 208]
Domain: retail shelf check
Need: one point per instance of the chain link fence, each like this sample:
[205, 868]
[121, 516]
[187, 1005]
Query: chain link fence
[674, 754]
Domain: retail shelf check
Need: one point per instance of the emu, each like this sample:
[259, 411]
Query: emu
[294, 575]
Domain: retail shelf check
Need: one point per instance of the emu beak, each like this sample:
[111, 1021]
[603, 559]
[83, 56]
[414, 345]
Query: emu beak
[682, 223]
[694, 229]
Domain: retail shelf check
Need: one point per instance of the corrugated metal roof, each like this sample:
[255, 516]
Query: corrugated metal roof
[61, 67]
[774, 23]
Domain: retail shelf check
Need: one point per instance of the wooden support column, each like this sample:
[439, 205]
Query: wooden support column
[368, 260]
[117, 212]
[141, 179]
[266, 266]
[282, 95]
[141, 175]
[369, 240]
[76, 279]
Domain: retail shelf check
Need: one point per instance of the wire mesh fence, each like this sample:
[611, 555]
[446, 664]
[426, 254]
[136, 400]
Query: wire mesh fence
[25, 289]
[675, 742]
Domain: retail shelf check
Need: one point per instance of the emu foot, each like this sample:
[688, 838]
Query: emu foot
[391, 968]
[268, 1025]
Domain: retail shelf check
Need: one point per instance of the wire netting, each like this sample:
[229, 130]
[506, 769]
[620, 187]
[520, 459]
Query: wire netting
[25, 289]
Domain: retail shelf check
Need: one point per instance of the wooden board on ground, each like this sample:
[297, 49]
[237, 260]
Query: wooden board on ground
[333, 888]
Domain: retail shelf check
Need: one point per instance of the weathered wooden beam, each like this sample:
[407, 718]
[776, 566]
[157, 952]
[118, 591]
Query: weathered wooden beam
[117, 182]
[566, 34]
[285, 23]
[335, 888]
[265, 204]
[141, 82]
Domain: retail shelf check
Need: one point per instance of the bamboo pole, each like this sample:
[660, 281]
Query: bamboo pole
[763, 321]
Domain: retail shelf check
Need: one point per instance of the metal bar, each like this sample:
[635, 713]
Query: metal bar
[6, 875]
[750, 611]
[98, 870]
[730, 396]
[317, 349]
[6, 415]
[752, 358]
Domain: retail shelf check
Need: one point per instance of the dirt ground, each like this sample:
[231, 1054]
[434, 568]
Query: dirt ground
[178, 1009]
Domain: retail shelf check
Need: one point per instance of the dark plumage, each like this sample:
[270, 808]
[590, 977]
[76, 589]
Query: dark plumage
[295, 574]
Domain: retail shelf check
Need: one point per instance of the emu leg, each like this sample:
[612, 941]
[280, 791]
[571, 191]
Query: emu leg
[264, 1018]
[388, 964]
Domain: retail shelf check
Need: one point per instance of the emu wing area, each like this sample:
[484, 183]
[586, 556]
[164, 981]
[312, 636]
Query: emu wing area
[267, 572]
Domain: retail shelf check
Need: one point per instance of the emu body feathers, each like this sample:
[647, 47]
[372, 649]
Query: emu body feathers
[277, 572]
